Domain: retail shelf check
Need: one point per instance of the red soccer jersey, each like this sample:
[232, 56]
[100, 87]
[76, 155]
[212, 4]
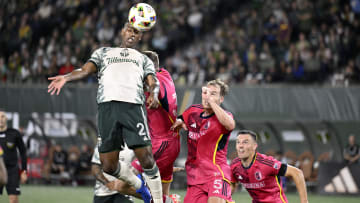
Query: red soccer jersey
[261, 178]
[161, 119]
[207, 147]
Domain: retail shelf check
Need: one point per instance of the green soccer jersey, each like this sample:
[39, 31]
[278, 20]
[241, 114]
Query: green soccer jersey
[121, 74]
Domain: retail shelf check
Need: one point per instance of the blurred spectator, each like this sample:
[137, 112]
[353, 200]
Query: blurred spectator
[66, 68]
[57, 163]
[73, 162]
[263, 35]
[352, 151]
[85, 160]
[306, 161]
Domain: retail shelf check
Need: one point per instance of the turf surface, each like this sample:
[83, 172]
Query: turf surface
[60, 194]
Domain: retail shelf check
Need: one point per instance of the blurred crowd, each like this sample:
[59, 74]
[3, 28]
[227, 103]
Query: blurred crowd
[251, 42]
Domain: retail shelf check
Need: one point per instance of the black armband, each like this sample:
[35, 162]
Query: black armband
[283, 169]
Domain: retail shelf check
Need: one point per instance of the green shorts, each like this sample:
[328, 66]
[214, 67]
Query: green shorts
[121, 122]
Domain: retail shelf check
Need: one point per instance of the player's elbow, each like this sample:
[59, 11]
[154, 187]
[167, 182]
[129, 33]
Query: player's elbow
[298, 174]
[230, 125]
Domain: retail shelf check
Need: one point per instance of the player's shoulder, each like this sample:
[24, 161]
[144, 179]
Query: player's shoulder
[163, 71]
[235, 162]
[196, 107]
[103, 49]
[265, 160]
[12, 131]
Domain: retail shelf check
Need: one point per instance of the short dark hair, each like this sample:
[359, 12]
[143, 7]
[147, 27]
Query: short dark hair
[153, 56]
[252, 133]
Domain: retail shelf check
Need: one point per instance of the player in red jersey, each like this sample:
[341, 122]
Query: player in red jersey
[209, 127]
[165, 142]
[259, 173]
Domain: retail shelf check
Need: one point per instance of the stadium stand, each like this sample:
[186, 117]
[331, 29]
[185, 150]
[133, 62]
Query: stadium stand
[275, 41]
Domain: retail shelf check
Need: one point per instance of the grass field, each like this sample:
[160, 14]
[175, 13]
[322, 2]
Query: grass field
[59, 194]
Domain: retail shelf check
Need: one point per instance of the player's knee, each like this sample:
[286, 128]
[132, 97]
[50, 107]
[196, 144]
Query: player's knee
[153, 171]
[147, 161]
[109, 168]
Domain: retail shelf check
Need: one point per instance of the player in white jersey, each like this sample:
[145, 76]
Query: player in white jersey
[107, 188]
[122, 72]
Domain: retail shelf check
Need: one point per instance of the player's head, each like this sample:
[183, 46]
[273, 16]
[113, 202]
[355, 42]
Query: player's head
[3, 120]
[154, 57]
[216, 89]
[352, 140]
[246, 144]
[130, 36]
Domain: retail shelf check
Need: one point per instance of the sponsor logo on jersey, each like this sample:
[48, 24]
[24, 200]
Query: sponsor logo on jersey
[10, 145]
[254, 185]
[2, 135]
[240, 177]
[124, 53]
[193, 125]
[207, 125]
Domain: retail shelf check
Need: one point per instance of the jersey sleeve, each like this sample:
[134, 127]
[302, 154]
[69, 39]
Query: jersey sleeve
[148, 66]
[276, 167]
[96, 157]
[22, 150]
[97, 57]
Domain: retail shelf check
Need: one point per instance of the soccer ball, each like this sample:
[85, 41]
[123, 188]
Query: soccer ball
[142, 17]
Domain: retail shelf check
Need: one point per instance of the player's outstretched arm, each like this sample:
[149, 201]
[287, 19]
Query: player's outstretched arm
[59, 81]
[178, 125]
[298, 177]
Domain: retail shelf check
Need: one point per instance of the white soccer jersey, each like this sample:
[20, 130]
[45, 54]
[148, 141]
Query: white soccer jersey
[100, 189]
[121, 74]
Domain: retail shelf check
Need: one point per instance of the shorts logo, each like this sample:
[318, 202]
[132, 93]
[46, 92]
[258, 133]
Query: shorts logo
[216, 192]
[258, 175]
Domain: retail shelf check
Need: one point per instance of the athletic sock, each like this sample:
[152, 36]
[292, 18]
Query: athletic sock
[153, 180]
[124, 172]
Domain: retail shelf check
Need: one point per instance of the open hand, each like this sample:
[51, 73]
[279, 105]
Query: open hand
[152, 101]
[178, 125]
[56, 84]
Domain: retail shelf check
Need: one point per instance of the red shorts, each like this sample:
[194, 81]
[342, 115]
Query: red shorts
[165, 153]
[214, 188]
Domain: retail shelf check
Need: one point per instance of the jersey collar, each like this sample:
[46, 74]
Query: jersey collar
[253, 161]
[202, 115]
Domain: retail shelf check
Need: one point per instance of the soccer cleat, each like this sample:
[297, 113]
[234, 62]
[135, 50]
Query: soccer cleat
[175, 198]
[144, 191]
